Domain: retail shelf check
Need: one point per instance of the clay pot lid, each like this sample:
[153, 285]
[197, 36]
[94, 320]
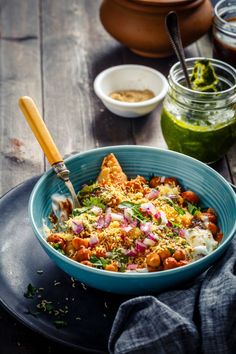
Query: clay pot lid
[163, 2]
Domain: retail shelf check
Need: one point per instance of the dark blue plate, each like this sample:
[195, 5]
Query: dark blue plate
[87, 314]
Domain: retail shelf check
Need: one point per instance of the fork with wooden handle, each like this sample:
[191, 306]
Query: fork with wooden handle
[38, 127]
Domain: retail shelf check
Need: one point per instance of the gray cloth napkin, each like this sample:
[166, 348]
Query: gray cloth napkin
[198, 318]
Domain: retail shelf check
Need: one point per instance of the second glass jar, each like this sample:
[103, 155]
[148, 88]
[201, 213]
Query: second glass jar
[200, 124]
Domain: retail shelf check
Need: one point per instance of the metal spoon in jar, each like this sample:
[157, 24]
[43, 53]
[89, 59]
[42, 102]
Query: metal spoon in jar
[172, 27]
[47, 144]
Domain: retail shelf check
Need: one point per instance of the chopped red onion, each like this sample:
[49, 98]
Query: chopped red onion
[152, 236]
[172, 196]
[163, 179]
[93, 240]
[100, 222]
[148, 242]
[153, 194]
[107, 220]
[126, 228]
[117, 217]
[132, 266]
[128, 214]
[148, 208]
[134, 223]
[140, 246]
[182, 233]
[146, 227]
[122, 236]
[131, 253]
[161, 215]
[96, 210]
[77, 226]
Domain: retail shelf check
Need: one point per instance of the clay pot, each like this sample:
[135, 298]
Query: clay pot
[140, 24]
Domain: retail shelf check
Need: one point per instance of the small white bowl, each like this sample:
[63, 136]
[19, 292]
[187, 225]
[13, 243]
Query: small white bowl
[130, 77]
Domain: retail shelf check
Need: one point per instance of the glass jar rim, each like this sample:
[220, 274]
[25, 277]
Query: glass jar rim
[223, 25]
[190, 63]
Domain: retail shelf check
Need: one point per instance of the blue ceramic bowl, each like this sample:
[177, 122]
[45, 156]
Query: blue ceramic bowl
[211, 187]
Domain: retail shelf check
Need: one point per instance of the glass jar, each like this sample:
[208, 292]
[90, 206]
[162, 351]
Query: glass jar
[200, 124]
[224, 31]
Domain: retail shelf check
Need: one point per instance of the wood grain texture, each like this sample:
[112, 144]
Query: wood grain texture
[20, 155]
[52, 50]
[75, 50]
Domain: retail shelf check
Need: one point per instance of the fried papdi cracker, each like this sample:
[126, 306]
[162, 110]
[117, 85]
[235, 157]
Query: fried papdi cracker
[111, 171]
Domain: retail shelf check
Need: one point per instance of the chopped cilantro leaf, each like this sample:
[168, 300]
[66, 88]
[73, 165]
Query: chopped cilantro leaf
[60, 323]
[94, 201]
[171, 250]
[78, 211]
[49, 306]
[118, 255]
[122, 267]
[179, 210]
[135, 208]
[88, 189]
[57, 247]
[31, 291]
[192, 209]
[98, 262]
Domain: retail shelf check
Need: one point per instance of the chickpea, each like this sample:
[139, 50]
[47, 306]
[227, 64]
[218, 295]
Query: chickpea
[87, 263]
[190, 196]
[211, 217]
[218, 237]
[179, 255]
[212, 227]
[170, 263]
[112, 267]
[155, 181]
[164, 254]
[77, 242]
[54, 238]
[151, 269]
[171, 180]
[137, 183]
[182, 263]
[211, 211]
[82, 254]
[57, 239]
[153, 260]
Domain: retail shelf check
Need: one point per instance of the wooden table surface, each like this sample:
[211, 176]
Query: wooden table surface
[52, 50]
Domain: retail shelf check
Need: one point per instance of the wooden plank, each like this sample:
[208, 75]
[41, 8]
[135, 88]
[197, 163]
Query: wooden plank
[75, 49]
[20, 155]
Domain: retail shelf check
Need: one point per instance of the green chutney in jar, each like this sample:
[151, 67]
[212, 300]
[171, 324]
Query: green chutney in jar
[200, 123]
[205, 143]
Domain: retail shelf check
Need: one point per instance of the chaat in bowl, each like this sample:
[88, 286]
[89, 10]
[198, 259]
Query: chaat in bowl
[148, 219]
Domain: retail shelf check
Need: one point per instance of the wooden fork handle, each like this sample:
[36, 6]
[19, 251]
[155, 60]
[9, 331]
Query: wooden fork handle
[39, 129]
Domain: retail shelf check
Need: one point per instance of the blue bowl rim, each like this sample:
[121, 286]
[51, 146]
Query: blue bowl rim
[108, 149]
